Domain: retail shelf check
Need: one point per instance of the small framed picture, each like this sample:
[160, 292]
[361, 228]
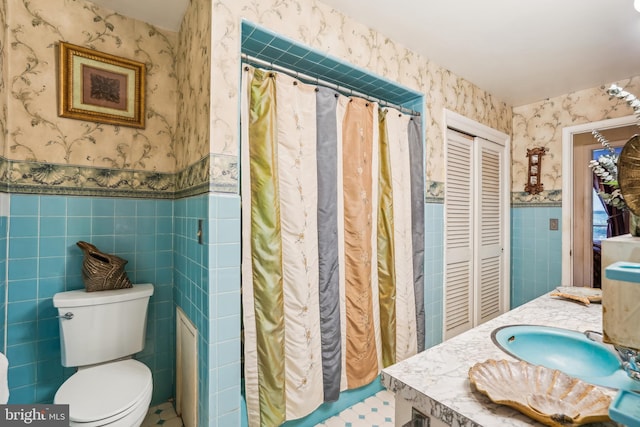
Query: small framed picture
[534, 183]
[100, 87]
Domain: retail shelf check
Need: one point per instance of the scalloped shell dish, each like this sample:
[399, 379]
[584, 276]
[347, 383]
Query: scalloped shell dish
[546, 395]
[576, 293]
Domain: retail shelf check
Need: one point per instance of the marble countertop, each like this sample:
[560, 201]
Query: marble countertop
[437, 378]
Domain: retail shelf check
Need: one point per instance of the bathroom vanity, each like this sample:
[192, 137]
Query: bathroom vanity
[435, 382]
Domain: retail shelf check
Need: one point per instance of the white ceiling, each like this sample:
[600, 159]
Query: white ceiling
[165, 14]
[519, 51]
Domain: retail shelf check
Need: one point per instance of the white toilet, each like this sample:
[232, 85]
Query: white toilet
[99, 332]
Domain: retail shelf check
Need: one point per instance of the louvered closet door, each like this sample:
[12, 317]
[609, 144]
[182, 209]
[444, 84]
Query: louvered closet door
[489, 234]
[458, 209]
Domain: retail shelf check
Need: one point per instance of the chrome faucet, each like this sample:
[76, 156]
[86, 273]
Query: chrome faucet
[630, 361]
[629, 358]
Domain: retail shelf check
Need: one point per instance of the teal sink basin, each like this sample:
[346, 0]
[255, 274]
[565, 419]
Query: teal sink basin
[568, 351]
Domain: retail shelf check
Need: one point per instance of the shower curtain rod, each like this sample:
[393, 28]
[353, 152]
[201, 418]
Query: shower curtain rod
[314, 80]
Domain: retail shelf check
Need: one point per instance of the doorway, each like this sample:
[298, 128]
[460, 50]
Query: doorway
[590, 217]
[577, 232]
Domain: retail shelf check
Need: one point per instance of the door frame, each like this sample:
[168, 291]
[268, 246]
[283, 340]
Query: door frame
[567, 185]
[453, 120]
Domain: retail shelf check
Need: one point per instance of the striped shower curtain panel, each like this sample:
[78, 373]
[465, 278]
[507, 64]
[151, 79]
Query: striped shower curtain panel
[332, 243]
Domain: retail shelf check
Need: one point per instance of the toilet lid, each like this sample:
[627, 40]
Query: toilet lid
[105, 390]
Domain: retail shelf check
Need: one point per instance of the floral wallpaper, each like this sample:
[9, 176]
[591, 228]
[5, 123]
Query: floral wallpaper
[191, 138]
[194, 87]
[322, 28]
[540, 125]
[46, 150]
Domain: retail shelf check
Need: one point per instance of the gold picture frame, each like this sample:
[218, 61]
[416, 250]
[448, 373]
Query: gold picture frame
[100, 87]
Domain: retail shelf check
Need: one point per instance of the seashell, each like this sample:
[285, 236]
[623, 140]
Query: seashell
[581, 294]
[48, 174]
[110, 178]
[546, 395]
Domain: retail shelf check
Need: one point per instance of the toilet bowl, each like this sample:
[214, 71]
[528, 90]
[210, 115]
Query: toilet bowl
[99, 334]
[114, 394]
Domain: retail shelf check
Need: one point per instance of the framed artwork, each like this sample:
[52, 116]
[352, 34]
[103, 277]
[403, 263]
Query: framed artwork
[100, 87]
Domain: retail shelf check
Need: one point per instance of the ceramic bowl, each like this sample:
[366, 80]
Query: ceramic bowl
[546, 395]
[581, 294]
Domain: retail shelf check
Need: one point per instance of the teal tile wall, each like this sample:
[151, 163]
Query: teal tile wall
[536, 252]
[224, 301]
[191, 290]
[159, 239]
[274, 48]
[434, 273]
[43, 259]
[207, 288]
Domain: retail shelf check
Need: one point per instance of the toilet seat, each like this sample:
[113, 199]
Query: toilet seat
[103, 394]
[132, 417]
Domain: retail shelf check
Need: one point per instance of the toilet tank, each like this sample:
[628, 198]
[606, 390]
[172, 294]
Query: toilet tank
[105, 325]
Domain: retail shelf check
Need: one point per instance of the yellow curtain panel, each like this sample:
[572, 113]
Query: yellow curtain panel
[386, 266]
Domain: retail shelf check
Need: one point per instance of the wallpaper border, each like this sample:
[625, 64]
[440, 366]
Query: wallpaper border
[224, 173]
[192, 180]
[434, 192]
[215, 173]
[550, 198]
[55, 179]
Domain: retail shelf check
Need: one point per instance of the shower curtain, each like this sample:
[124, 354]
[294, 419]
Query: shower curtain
[332, 243]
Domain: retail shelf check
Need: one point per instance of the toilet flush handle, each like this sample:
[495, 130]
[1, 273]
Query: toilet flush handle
[68, 315]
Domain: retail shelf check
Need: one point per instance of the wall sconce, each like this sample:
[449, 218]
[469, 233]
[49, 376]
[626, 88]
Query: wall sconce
[533, 185]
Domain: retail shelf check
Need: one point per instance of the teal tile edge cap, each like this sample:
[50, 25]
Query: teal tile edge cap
[624, 271]
[625, 409]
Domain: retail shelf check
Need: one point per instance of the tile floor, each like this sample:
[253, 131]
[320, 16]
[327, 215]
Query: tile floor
[375, 411]
[164, 415]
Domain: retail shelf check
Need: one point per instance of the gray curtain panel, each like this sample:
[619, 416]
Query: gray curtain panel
[417, 219]
[327, 152]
